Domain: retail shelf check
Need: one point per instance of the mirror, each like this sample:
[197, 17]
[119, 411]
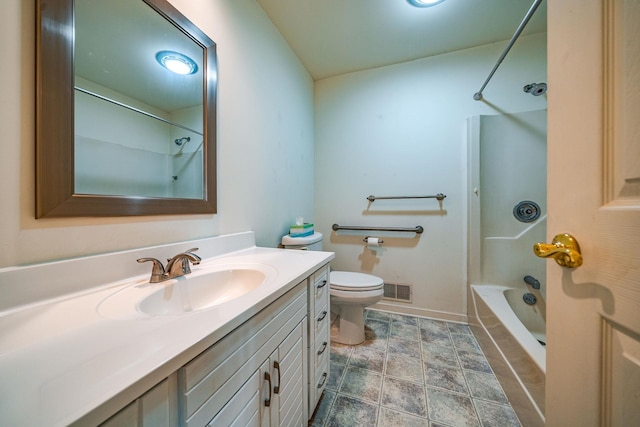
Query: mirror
[117, 133]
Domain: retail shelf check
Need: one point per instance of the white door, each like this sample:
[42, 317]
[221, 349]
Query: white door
[593, 351]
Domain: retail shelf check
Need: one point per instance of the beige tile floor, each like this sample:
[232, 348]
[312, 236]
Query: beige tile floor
[412, 372]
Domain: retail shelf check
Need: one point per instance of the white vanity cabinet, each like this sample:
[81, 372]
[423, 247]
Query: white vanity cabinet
[117, 357]
[319, 335]
[269, 371]
[256, 375]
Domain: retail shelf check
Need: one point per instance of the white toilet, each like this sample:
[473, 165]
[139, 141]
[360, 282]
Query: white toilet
[349, 292]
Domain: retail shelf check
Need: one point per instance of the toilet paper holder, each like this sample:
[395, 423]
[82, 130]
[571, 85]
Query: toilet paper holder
[366, 240]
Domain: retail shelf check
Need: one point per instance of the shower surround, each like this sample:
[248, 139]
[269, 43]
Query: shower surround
[507, 166]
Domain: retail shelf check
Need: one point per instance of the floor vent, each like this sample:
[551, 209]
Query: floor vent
[397, 292]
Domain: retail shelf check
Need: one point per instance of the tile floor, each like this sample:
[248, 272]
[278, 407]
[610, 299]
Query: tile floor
[412, 372]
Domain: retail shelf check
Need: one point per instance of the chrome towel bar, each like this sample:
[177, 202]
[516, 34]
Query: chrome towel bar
[438, 196]
[418, 229]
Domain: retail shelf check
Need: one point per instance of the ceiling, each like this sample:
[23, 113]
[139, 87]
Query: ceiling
[334, 37]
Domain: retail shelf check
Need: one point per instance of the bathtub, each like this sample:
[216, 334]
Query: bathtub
[518, 332]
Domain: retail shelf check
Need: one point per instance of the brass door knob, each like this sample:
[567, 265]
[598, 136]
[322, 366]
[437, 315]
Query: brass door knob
[564, 249]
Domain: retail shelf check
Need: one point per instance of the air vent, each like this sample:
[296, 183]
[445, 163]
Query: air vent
[397, 292]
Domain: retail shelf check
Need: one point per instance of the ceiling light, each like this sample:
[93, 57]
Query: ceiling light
[424, 3]
[176, 62]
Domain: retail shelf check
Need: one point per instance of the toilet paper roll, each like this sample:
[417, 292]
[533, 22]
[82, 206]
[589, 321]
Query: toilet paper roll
[373, 241]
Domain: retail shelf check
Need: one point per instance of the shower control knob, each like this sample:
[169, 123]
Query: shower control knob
[564, 248]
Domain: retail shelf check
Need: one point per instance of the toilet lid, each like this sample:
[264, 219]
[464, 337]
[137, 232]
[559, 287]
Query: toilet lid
[301, 241]
[350, 281]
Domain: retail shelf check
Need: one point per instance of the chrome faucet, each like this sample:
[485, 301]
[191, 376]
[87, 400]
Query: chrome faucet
[176, 266]
[179, 264]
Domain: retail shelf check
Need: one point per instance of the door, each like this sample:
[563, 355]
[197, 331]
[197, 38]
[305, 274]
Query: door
[593, 351]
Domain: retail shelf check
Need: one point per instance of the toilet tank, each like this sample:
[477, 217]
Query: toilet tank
[310, 243]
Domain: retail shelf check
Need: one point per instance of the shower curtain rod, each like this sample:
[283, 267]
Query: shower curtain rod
[137, 110]
[478, 95]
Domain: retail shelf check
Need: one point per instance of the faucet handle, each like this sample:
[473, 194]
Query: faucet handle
[532, 281]
[191, 252]
[157, 272]
[190, 256]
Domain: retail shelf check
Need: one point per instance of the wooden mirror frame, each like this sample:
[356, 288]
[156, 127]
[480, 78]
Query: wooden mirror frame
[55, 132]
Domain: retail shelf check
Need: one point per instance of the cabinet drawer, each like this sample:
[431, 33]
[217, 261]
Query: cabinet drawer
[322, 376]
[322, 347]
[320, 320]
[321, 303]
[321, 287]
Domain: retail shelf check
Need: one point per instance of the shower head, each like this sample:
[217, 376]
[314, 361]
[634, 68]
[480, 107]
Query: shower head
[180, 141]
[535, 89]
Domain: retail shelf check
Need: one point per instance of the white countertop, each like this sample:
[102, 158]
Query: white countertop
[61, 358]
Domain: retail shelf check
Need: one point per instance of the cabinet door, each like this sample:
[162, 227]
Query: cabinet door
[243, 410]
[290, 368]
[285, 373]
[155, 408]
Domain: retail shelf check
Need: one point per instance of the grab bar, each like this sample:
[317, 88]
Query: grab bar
[438, 196]
[418, 229]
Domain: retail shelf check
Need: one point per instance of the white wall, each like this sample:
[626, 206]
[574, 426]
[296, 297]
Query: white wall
[265, 142]
[401, 130]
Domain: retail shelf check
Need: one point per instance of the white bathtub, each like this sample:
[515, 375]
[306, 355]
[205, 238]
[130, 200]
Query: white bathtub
[532, 317]
[517, 330]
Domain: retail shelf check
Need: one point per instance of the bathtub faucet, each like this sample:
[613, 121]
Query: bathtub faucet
[532, 281]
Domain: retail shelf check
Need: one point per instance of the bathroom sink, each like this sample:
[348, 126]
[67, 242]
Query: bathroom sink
[197, 293]
[204, 288]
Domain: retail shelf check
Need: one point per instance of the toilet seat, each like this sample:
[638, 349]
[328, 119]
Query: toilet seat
[348, 281]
